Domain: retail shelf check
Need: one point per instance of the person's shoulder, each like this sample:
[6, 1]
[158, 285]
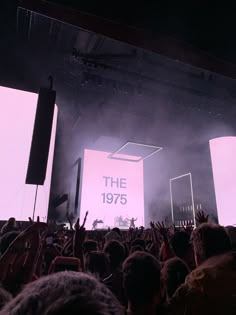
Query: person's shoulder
[177, 303]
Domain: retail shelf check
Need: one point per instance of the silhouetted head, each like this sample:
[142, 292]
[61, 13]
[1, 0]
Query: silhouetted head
[64, 293]
[138, 242]
[180, 243]
[11, 222]
[115, 252]
[141, 279]
[98, 264]
[173, 274]
[209, 240]
[117, 230]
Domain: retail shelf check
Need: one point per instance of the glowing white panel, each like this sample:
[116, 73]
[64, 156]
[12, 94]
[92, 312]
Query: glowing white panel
[17, 115]
[111, 188]
[223, 158]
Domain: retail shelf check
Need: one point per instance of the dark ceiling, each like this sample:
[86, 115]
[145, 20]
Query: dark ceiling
[208, 25]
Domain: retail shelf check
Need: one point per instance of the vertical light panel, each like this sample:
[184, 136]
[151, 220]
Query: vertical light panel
[223, 158]
[17, 114]
[111, 189]
[183, 199]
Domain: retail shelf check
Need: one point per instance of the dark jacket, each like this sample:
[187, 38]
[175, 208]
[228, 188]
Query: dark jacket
[209, 289]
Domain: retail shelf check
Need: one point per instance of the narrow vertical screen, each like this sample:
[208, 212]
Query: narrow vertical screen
[112, 190]
[17, 114]
[182, 199]
[223, 157]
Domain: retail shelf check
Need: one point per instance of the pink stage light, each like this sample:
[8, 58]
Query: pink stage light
[223, 157]
[111, 188]
[17, 114]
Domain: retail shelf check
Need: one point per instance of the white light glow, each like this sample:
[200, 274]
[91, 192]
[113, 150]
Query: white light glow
[17, 114]
[111, 188]
[223, 157]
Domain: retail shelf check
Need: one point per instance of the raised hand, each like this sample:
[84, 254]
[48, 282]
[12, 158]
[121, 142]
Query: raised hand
[162, 229]
[70, 219]
[189, 227]
[79, 237]
[201, 217]
[152, 225]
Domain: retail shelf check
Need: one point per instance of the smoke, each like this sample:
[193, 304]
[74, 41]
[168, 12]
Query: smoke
[115, 96]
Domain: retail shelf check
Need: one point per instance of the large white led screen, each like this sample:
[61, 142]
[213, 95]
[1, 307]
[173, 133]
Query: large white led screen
[223, 158]
[112, 190]
[17, 115]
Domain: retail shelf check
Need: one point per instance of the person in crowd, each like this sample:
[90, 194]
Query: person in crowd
[126, 248]
[173, 274]
[9, 226]
[182, 248]
[142, 284]
[138, 242]
[231, 231]
[115, 252]
[131, 270]
[90, 246]
[117, 230]
[112, 236]
[7, 239]
[211, 287]
[64, 293]
[209, 240]
[136, 248]
[97, 263]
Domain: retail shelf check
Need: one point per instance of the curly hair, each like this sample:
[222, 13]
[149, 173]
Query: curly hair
[64, 293]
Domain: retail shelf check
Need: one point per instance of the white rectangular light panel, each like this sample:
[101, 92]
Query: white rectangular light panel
[223, 158]
[111, 189]
[17, 115]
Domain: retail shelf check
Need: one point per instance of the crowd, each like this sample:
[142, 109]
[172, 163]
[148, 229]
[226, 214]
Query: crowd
[48, 269]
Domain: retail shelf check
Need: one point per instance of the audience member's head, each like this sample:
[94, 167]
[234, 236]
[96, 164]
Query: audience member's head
[11, 222]
[138, 242]
[117, 230]
[115, 252]
[136, 248]
[90, 246]
[112, 236]
[209, 240]
[98, 264]
[141, 281]
[180, 243]
[7, 239]
[9, 226]
[64, 293]
[173, 274]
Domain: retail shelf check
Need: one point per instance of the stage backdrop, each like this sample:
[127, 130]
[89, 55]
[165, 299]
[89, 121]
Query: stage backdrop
[17, 114]
[112, 190]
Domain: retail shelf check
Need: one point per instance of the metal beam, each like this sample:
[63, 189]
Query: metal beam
[162, 45]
